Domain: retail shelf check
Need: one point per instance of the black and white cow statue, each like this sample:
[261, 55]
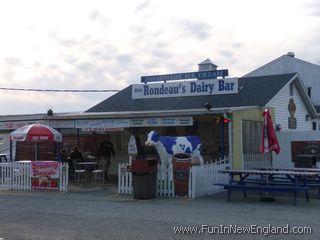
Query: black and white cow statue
[169, 146]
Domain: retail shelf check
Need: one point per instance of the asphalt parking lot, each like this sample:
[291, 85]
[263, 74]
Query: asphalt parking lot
[100, 213]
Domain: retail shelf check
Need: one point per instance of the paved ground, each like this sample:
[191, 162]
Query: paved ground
[100, 213]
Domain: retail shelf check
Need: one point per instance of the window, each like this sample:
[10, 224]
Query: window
[314, 126]
[251, 136]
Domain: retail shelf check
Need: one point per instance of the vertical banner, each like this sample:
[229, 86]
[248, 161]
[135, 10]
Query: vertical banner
[45, 175]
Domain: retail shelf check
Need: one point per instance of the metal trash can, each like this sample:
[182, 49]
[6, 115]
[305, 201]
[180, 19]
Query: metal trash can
[181, 170]
[144, 178]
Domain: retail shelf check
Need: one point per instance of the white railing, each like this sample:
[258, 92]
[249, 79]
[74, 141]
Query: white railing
[201, 179]
[257, 160]
[17, 176]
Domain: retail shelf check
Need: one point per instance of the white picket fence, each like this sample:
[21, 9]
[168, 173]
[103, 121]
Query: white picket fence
[258, 160]
[165, 182]
[17, 176]
[201, 179]
[165, 185]
[124, 179]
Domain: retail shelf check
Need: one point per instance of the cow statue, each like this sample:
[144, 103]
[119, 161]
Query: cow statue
[168, 146]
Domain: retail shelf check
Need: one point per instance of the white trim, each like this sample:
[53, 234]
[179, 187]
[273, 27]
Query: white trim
[129, 114]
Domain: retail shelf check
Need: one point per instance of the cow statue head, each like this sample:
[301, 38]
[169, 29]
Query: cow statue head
[153, 138]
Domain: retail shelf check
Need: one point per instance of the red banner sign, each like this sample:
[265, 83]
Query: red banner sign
[45, 175]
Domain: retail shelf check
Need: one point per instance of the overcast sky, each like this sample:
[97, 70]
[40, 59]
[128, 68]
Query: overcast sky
[110, 44]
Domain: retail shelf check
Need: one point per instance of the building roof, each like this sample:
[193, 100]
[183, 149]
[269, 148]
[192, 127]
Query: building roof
[253, 91]
[207, 61]
[317, 108]
[279, 59]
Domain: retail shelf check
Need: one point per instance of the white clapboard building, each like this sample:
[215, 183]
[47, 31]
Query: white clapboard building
[309, 135]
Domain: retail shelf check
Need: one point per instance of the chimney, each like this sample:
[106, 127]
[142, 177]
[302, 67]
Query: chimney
[290, 54]
[309, 91]
[207, 65]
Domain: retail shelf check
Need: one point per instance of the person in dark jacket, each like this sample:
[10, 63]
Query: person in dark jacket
[76, 154]
[106, 149]
[140, 148]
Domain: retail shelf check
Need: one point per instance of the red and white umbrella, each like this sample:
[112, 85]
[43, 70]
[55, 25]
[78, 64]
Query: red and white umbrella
[36, 133]
[269, 137]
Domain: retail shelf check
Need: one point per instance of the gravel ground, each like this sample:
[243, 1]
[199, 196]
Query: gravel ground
[100, 213]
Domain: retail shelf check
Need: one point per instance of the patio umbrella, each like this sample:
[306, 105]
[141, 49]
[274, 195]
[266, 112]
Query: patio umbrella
[269, 143]
[36, 133]
[269, 138]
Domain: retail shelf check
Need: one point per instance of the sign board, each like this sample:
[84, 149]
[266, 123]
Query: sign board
[102, 129]
[160, 122]
[184, 89]
[16, 125]
[61, 123]
[188, 75]
[132, 146]
[304, 147]
[45, 175]
[103, 123]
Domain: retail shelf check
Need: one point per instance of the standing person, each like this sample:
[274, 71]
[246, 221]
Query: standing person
[105, 150]
[140, 148]
[63, 155]
[64, 158]
[76, 154]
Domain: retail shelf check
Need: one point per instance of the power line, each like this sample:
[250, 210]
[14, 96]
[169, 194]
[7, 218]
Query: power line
[57, 90]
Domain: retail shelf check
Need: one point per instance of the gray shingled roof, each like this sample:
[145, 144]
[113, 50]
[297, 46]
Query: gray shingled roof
[255, 91]
[317, 108]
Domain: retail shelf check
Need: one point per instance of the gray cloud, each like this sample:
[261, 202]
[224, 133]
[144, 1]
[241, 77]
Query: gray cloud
[139, 30]
[226, 53]
[12, 61]
[96, 16]
[7, 75]
[313, 8]
[142, 6]
[66, 42]
[236, 45]
[86, 66]
[198, 29]
[124, 59]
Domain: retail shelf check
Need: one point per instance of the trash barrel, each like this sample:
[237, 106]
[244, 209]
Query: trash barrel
[181, 169]
[144, 178]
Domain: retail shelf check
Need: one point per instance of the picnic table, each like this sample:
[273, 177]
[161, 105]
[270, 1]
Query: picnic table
[311, 182]
[268, 181]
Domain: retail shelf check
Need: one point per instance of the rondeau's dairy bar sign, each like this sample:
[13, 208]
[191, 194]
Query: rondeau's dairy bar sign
[185, 88]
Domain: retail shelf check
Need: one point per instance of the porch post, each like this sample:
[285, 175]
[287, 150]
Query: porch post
[78, 137]
[10, 150]
[230, 139]
[221, 139]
